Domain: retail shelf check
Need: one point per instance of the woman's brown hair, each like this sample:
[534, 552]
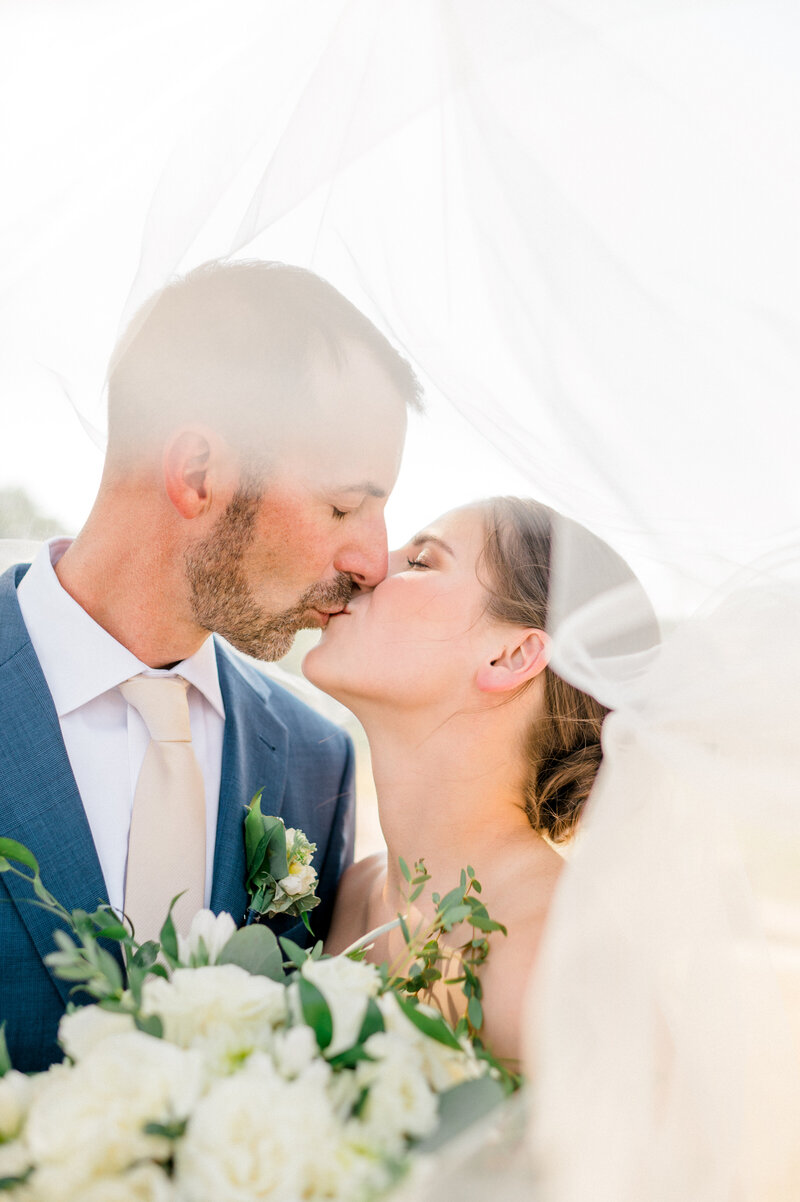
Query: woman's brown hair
[563, 748]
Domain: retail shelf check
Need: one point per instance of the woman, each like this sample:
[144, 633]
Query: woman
[481, 754]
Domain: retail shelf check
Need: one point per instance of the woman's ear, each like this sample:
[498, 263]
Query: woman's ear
[523, 657]
[188, 467]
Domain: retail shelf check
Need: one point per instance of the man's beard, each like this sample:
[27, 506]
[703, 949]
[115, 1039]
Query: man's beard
[221, 598]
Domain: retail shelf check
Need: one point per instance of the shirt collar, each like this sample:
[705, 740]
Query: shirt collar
[80, 660]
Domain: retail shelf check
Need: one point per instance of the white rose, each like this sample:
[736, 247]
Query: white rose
[214, 929]
[444, 1067]
[15, 1160]
[347, 985]
[87, 1121]
[81, 1031]
[255, 1135]
[301, 879]
[144, 1183]
[400, 1104]
[221, 1010]
[294, 1050]
[16, 1095]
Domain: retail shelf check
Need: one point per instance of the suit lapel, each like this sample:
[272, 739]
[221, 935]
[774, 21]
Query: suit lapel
[254, 756]
[39, 801]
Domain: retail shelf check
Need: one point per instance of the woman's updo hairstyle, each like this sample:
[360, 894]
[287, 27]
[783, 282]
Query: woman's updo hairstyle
[563, 746]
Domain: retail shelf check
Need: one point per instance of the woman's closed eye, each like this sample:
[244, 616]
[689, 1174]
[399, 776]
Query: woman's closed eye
[417, 563]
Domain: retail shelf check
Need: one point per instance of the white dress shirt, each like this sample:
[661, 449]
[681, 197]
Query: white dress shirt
[106, 738]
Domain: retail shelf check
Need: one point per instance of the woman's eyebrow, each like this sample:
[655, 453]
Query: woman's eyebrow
[419, 539]
[365, 486]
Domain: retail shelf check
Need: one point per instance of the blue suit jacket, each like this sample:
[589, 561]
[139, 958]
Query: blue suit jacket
[303, 762]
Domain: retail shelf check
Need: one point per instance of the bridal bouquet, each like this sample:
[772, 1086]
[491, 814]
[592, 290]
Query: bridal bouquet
[230, 1066]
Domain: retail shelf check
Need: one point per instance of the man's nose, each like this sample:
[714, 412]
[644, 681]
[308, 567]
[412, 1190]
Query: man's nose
[366, 559]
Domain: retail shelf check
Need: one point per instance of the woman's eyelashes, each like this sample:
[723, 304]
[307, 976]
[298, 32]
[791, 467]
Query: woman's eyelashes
[417, 563]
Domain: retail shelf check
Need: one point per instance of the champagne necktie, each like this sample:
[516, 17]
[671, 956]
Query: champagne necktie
[167, 841]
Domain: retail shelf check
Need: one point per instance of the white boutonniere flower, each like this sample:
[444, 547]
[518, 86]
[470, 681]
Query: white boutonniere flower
[281, 878]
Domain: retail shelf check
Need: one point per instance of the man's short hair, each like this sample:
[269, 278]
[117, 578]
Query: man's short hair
[233, 345]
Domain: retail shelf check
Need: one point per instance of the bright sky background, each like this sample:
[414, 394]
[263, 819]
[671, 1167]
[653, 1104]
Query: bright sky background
[95, 93]
[74, 87]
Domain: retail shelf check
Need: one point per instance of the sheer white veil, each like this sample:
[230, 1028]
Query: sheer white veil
[578, 218]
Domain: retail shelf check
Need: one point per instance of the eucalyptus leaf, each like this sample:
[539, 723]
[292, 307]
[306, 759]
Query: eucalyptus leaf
[462, 1106]
[485, 923]
[254, 948]
[10, 849]
[454, 898]
[451, 916]
[475, 1012]
[293, 951]
[64, 941]
[406, 871]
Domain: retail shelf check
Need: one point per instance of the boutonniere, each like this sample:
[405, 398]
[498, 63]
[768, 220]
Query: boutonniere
[280, 876]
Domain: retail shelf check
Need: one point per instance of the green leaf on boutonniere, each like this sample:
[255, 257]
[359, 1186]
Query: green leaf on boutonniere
[279, 877]
[265, 849]
[5, 1059]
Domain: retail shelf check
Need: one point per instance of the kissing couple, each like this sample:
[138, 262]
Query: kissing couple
[255, 428]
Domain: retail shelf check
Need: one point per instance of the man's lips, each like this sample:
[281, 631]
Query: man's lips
[326, 614]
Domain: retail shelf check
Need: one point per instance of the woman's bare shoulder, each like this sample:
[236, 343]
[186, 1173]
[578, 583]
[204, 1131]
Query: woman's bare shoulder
[363, 873]
[352, 901]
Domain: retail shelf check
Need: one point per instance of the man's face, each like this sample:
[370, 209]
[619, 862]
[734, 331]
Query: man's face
[283, 557]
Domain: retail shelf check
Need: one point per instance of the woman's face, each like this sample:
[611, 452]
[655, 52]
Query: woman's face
[422, 633]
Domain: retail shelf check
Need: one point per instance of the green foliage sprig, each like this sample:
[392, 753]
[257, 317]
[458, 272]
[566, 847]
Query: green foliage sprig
[460, 906]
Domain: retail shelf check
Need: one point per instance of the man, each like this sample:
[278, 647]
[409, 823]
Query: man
[256, 422]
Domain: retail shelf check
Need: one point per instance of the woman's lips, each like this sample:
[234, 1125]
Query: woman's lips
[325, 615]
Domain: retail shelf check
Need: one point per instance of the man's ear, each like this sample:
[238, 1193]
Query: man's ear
[524, 656]
[187, 476]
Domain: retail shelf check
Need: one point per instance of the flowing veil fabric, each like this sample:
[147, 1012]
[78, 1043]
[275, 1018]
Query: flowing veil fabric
[578, 218]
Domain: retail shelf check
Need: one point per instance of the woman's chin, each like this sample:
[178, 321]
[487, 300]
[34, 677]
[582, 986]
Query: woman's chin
[323, 675]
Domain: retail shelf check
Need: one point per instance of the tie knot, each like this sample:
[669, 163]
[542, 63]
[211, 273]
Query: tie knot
[162, 703]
